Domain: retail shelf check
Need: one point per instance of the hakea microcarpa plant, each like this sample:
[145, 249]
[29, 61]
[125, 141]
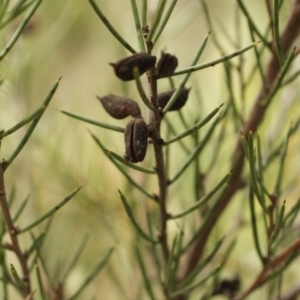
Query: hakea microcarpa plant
[181, 268]
[137, 131]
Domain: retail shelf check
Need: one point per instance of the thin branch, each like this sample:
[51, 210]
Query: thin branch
[13, 235]
[274, 263]
[288, 37]
[155, 123]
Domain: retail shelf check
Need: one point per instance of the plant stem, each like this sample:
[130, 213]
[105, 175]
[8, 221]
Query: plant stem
[13, 234]
[155, 122]
[275, 262]
[288, 37]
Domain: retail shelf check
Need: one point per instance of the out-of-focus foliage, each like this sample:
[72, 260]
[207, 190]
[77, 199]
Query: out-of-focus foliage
[65, 38]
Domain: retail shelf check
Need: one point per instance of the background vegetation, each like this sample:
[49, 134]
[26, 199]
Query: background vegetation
[67, 39]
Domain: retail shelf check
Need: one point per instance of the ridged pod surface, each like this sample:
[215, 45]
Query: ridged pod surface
[124, 68]
[163, 99]
[136, 140]
[120, 107]
[166, 65]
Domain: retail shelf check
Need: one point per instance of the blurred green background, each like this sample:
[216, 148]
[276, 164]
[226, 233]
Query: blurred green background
[66, 38]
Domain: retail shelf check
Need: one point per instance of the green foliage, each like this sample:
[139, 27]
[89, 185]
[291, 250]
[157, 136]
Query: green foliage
[21, 278]
[192, 228]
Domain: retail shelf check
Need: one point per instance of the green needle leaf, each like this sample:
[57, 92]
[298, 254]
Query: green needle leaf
[134, 222]
[247, 15]
[33, 125]
[195, 284]
[200, 146]
[110, 27]
[245, 145]
[138, 25]
[157, 18]
[279, 224]
[51, 211]
[19, 30]
[171, 261]
[133, 182]
[40, 282]
[202, 264]
[76, 256]
[276, 8]
[16, 276]
[212, 63]
[203, 200]
[164, 21]
[15, 12]
[258, 57]
[277, 189]
[133, 166]
[172, 130]
[20, 209]
[144, 272]
[94, 122]
[94, 273]
[254, 180]
[141, 90]
[37, 242]
[254, 226]
[144, 12]
[292, 214]
[187, 76]
[23, 122]
[155, 249]
[280, 78]
[194, 128]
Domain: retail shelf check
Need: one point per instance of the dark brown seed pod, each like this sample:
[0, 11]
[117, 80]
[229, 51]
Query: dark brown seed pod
[228, 287]
[124, 67]
[120, 107]
[166, 65]
[136, 140]
[164, 98]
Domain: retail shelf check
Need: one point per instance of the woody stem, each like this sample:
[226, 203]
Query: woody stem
[155, 122]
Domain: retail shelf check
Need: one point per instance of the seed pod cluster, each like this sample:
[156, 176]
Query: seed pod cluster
[163, 99]
[136, 132]
[120, 107]
[166, 65]
[136, 140]
[124, 68]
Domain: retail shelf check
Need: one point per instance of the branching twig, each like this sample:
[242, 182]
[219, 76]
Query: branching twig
[13, 235]
[274, 263]
[290, 33]
[155, 122]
